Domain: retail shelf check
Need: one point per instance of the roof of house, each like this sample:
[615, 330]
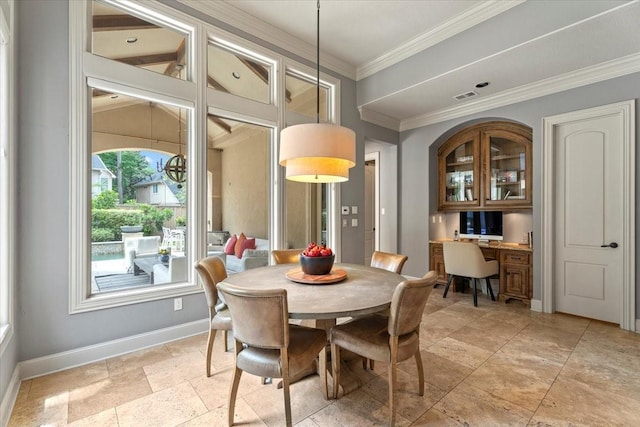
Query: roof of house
[98, 164]
[158, 178]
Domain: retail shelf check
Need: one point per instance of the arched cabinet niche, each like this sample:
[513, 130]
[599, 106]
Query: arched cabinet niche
[486, 166]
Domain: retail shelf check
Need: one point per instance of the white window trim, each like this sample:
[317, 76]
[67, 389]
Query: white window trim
[90, 70]
[7, 183]
[87, 69]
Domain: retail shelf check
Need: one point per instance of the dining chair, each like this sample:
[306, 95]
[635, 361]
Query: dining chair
[286, 256]
[212, 271]
[390, 340]
[266, 344]
[388, 261]
[465, 259]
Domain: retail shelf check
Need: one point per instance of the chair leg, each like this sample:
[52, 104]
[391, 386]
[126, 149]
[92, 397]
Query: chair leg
[446, 288]
[493, 298]
[210, 340]
[420, 373]
[475, 292]
[322, 367]
[335, 368]
[392, 386]
[287, 399]
[367, 363]
[393, 362]
[224, 337]
[237, 373]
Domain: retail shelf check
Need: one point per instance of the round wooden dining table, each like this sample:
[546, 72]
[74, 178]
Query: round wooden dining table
[365, 290]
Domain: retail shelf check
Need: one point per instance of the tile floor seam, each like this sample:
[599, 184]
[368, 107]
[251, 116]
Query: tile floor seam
[558, 374]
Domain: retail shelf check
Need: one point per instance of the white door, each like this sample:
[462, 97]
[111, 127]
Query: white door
[369, 209]
[589, 233]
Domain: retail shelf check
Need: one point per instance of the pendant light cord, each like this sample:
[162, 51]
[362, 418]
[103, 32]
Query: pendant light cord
[318, 65]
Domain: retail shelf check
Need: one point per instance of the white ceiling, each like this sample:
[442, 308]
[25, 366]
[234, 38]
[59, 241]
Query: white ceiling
[410, 58]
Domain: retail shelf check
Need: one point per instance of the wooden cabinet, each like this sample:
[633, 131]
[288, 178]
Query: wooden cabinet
[436, 262]
[515, 276]
[516, 266]
[486, 166]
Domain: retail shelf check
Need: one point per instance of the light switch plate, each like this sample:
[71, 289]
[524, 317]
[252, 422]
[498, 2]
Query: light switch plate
[354, 210]
[354, 222]
[345, 210]
[344, 222]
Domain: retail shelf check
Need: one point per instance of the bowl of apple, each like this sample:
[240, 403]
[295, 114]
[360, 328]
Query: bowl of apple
[317, 259]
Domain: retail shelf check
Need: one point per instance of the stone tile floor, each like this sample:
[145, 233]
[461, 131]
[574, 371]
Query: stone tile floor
[495, 364]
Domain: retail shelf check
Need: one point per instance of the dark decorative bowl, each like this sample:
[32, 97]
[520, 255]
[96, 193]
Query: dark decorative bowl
[316, 265]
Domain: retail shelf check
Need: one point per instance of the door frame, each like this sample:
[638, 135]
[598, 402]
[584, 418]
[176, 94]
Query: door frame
[375, 156]
[625, 109]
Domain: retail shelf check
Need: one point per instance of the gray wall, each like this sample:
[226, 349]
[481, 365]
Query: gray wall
[44, 325]
[419, 168]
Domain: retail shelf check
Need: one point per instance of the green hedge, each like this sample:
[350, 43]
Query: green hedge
[102, 235]
[113, 219]
[150, 217]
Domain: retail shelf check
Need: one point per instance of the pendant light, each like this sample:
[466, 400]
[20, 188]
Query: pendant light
[317, 152]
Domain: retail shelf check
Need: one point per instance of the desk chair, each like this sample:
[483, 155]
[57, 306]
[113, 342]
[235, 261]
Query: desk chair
[466, 260]
[388, 261]
[390, 340]
[211, 271]
[266, 344]
[286, 256]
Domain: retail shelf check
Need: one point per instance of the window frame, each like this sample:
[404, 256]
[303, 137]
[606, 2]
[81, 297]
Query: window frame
[7, 168]
[89, 70]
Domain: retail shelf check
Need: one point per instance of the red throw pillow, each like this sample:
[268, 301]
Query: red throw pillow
[238, 248]
[230, 248]
[246, 244]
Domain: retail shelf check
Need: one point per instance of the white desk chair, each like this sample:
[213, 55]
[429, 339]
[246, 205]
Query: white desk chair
[466, 260]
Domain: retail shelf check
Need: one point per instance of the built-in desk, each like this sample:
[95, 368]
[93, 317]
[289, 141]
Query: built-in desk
[516, 268]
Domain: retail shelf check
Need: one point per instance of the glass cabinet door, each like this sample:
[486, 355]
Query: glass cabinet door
[508, 173]
[459, 171]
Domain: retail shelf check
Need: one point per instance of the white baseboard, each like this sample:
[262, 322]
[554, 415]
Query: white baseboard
[81, 356]
[6, 406]
[536, 305]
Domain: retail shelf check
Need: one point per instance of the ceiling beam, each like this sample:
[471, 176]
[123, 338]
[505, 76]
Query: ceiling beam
[214, 84]
[262, 72]
[218, 121]
[172, 68]
[120, 22]
[153, 59]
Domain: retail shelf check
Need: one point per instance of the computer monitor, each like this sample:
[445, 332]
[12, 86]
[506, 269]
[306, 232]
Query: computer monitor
[482, 225]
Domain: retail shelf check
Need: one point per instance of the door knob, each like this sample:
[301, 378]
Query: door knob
[610, 245]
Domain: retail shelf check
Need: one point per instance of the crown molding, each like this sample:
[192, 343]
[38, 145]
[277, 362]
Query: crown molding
[607, 70]
[379, 119]
[474, 16]
[241, 20]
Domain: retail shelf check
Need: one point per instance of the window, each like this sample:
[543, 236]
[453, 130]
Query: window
[6, 162]
[147, 134]
[142, 42]
[239, 74]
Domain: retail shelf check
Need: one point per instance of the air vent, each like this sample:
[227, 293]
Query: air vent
[465, 95]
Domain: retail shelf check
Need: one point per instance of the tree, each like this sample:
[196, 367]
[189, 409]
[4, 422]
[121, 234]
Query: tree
[134, 168]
